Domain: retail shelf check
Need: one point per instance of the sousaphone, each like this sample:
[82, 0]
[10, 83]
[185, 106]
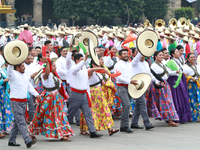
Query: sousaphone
[15, 52]
[173, 23]
[147, 42]
[90, 41]
[147, 23]
[160, 24]
[182, 22]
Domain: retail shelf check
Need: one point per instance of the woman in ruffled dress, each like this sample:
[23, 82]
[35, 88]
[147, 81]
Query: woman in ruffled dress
[160, 104]
[50, 117]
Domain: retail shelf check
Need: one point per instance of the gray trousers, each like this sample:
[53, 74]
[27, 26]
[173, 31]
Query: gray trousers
[140, 109]
[125, 99]
[31, 106]
[79, 101]
[18, 109]
[78, 113]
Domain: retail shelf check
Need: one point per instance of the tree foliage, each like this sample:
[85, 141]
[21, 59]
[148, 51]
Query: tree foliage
[102, 9]
[186, 12]
[155, 9]
[130, 8]
[71, 9]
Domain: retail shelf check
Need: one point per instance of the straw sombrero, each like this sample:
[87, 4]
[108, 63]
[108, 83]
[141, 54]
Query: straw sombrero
[170, 37]
[39, 72]
[75, 39]
[196, 36]
[25, 25]
[86, 35]
[185, 38]
[147, 42]
[15, 52]
[143, 80]
[93, 53]
[120, 35]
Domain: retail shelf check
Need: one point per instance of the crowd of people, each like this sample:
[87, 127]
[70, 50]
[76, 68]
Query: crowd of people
[73, 89]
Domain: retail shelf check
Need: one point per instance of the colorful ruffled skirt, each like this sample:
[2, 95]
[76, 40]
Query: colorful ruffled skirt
[100, 111]
[50, 117]
[160, 104]
[6, 115]
[194, 100]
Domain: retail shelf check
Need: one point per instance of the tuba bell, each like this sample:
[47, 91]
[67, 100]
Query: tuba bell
[182, 22]
[147, 23]
[159, 24]
[173, 23]
[191, 26]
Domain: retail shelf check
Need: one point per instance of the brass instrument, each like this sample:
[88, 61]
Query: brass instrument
[191, 26]
[147, 23]
[173, 23]
[182, 22]
[160, 24]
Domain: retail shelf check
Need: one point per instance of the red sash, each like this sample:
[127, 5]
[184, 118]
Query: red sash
[126, 85]
[18, 100]
[83, 91]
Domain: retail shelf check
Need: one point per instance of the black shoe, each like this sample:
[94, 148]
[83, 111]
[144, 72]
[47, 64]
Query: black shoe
[95, 135]
[150, 127]
[136, 127]
[13, 144]
[126, 129]
[31, 143]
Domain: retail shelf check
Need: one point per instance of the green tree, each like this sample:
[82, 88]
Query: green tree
[71, 9]
[130, 9]
[156, 9]
[186, 12]
[102, 10]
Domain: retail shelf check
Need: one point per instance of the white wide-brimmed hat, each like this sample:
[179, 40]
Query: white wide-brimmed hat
[147, 42]
[93, 53]
[143, 82]
[185, 38]
[15, 52]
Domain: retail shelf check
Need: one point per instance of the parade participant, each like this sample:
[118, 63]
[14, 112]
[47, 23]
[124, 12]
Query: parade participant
[50, 117]
[187, 46]
[78, 97]
[40, 37]
[33, 53]
[178, 86]
[19, 85]
[31, 72]
[124, 66]
[8, 39]
[62, 41]
[171, 42]
[134, 52]
[180, 49]
[120, 38]
[38, 50]
[6, 115]
[101, 50]
[2, 39]
[15, 34]
[193, 75]
[159, 100]
[2, 61]
[165, 55]
[49, 47]
[26, 36]
[196, 45]
[139, 65]
[101, 113]
[110, 41]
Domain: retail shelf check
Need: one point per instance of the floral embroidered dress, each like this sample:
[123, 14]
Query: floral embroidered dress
[159, 100]
[50, 117]
[6, 115]
[193, 90]
[101, 114]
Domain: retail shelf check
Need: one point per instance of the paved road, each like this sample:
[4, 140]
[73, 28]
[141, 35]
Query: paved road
[184, 137]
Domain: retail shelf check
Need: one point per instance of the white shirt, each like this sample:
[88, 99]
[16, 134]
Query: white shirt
[61, 67]
[189, 71]
[108, 62]
[19, 84]
[78, 76]
[165, 61]
[53, 55]
[141, 67]
[2, 61]
[126, 69]
[173, 73]
[60, 42]
[158, 70]
[49, 82]
[95, 79]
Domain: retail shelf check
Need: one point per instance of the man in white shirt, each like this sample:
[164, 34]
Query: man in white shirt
[49, 46]
[19, 85]
[79, 97]
[31, 72]
[2, 61]
[139, 65]
[124, 66]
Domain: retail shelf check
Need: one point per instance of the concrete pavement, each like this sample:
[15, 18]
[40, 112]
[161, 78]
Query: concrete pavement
[184, 137]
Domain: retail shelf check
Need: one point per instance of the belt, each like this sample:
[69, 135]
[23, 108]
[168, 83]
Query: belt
[18, 100]
[118, 84]
[83, 91]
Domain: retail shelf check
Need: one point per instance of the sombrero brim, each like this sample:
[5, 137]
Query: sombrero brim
[54, 59]
[19, 48]
[93, 53]
[36, 78]
[88, 35]
[75, 39]
[147, 35]
[134, 93]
